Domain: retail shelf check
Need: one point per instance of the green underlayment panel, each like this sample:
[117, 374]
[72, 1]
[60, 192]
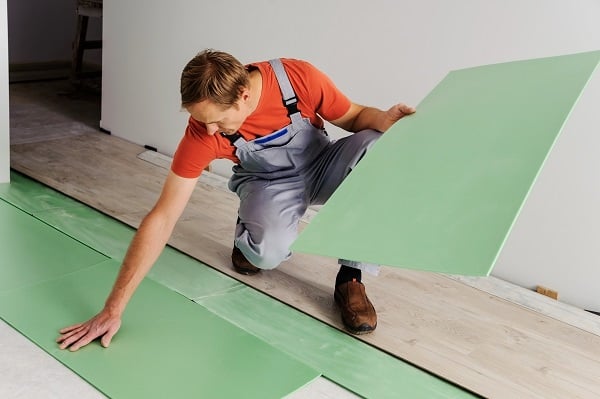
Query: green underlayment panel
[32, 252]
[341, 358]
[111, 237]
[31, 196]
[167, 347]
[441, 189]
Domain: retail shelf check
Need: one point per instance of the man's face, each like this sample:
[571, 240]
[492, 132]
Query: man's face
[216, 119]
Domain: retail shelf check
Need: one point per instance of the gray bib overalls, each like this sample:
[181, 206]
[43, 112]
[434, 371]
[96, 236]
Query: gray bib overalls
[281, 174]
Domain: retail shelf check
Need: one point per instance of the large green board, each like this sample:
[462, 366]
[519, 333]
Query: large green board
[168, 346]
[441, 189]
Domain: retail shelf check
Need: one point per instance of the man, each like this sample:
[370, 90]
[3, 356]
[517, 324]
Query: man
[266, 117]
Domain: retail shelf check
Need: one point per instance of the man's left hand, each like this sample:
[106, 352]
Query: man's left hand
[399, 111]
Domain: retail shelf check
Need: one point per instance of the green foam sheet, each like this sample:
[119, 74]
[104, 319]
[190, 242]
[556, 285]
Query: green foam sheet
[173, 268]
[442, 188]
[349, 362]
[167, 345]
[110, 237]
[33, 252]
[33, 197]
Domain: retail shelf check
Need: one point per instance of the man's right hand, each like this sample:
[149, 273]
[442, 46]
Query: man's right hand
[104, 326]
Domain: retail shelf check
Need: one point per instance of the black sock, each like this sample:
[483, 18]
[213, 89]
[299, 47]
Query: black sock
[346, 274]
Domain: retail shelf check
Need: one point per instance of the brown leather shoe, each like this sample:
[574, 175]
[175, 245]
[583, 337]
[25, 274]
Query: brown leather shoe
[358, 313]
[241, 264]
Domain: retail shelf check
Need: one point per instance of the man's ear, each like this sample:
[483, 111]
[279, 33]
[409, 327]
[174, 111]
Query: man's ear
[244, 94]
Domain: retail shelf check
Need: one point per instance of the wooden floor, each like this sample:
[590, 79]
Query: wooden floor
[488, 336]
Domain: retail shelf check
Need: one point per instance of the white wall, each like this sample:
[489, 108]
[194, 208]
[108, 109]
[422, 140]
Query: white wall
[555, 240]
[378, 52]
[4, 121]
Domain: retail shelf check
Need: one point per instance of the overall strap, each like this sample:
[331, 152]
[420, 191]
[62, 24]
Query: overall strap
[287, 92]
[235, 139]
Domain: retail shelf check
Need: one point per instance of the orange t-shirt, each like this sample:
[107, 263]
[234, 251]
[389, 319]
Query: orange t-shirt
[317, 97]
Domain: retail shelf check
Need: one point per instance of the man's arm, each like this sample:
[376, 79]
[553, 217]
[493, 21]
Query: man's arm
[146, 246]
[360, 117]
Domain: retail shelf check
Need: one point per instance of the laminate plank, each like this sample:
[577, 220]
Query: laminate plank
[530, 299]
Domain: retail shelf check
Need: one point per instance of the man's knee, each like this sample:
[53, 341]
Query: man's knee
[269, 260]
[357, 146]
[366, 138]
[267, 254]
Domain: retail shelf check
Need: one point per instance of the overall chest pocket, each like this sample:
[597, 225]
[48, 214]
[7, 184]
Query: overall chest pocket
[283, 151]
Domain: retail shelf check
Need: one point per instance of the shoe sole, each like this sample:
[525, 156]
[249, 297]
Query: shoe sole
[247, 272]
[360, 332]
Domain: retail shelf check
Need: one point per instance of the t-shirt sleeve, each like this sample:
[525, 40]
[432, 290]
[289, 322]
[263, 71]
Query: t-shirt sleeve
[194, 152]
[328, 100]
